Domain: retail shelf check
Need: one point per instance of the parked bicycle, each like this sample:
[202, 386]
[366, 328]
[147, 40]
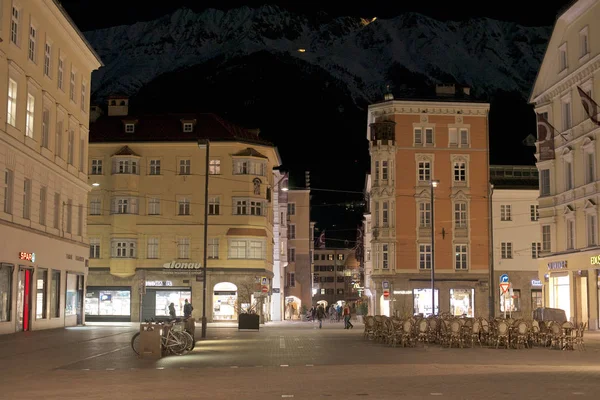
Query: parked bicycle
[175, 339]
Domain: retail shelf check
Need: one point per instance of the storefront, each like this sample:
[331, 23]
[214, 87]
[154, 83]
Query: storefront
[157, 299]
[225, 296]
[41, 281]
[108, 303]
[422, 301]
[524, 293]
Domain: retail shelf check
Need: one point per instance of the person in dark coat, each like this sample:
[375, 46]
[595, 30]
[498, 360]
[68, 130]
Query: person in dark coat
[172, 312]
[187, 309]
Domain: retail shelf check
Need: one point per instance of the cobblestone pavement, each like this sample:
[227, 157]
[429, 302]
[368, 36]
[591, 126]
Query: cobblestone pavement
[285, 360]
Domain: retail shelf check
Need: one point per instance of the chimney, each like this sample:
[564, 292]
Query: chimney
[95, 113]
[466, 90]
[445, 89]
[254, 131]
[118, 106]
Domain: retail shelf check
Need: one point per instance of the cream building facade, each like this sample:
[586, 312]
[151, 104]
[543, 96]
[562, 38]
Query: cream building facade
[568, 167]
[146, 216]
[334, 272]
[370, 289]
[516, 238]
[280, 244]
[46, 65]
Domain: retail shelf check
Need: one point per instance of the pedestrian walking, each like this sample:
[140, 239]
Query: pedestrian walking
[187, 309]
[347, 316]
[313, 312]
[172, 313]
[320, 315]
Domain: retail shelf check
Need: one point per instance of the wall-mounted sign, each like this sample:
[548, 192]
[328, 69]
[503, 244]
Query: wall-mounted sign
[557, 265]
[403, 292]
[182, 265]
[27, 256]
[385, 284]
[159, 283]
[535, 282]
[595, 260]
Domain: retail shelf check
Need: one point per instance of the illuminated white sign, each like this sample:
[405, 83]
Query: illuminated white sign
[535, 282]
[182, 265]
[159, 283]
[403, 292]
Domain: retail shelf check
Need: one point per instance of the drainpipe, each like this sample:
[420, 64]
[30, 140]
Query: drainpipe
[491, 285]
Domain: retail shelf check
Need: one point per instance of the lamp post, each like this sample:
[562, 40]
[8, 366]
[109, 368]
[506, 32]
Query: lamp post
[201, 144]
[433, 185]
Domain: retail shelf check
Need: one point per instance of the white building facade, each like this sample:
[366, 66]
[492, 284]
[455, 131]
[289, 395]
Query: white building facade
[280, 244]
[370, 289]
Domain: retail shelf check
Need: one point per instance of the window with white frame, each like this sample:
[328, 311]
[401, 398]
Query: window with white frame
[60, 73]
[188, 127]
[590, 166]
[384, 170]
[424, 171]
[183, 248]
[72, 86]
[48, 59]
[214, 167]
[291, 231]
[154, 167]
[213, 248]
[152, 248]
[249, 167]
[45, 128]
[505, 212]
[290, 279]
[592, 229]
[460, 257]
[185, 167]
[291, 208]
[570, 228]
[568, 168]
[460, 171]
[30, 115]
[243, 206]
[154, 206]
[32, 43]
[95, 206]
[536, 249]
[424, 256]
[424, 214]
[562, 58]
[546, 238]
[124, 205]
[506, 250]
[83, 95]
[183, 206]
[534, 212]
[129, 128]
[376, 171]
[11, 113]
[418, 137]
[464, 137]
[71, 147]
[453, 136]
[125, 166]
[96, 167]
[9, 182]
[27, 198]
[124, 248]
[250, 249]
[584, 47]
[377, 219]
[460, 215]
[567, 119]
[544, 182]
[14, 25]
[428, 135]
[385, 256]
[385, 215]
[214, 205]
[94, 247]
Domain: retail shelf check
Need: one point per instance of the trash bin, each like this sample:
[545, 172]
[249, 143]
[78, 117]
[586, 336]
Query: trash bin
[248, 321]
[190, 326]
[151, 340]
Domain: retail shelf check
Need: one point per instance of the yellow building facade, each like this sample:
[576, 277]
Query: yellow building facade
[146, 216]
[45, 70]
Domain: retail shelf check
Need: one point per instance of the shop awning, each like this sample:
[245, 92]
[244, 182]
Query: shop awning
[246, 232]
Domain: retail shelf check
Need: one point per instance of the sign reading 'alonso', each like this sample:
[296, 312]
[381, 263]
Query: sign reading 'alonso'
[182, 265]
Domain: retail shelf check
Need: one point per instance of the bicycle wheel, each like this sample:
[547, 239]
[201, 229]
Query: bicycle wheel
[176, 342]
[191, 342]
[135, 343]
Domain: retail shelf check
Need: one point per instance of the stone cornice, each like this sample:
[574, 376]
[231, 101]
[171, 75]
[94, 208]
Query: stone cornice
[429, 107]
[569, 81]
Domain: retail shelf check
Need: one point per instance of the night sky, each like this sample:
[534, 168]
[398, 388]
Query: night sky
[336, 196]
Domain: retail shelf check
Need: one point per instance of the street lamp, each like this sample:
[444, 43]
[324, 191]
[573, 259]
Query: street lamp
[433, 185]
[201, 144]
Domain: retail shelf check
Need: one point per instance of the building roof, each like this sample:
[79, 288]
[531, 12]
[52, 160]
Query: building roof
[169, 128]
[249, 152]
[514, 177]
[126, 151]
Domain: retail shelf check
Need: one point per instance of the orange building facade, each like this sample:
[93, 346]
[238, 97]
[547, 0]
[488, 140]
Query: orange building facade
[412, 144]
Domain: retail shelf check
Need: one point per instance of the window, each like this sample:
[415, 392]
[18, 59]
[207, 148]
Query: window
[83, 95]
[570, 234]
[214, 167]
[583, 42]
[385, 214]
[188, 127]
[11, 113]
[384, 170]
[537, 300]
[14, 25]
[536, 249]
[245, 167]
[290, 279]
[425, 214]
[72, 86]
[505, 212]
[129, 128]
[291, 254]
[94, 248]
[184, 206]
[340, 257]
[60, 73]
[424, 256]
[568, 175]
[291, 208]
[248, 207]
[45, 128]
[30, 115]
[57, 210]
[544, 182]
[247, 249]
[9, 182]
[464, 137]
[96, 167]
[154, 167]
[562, 58]
[213, 248]
[81, 154]
[123, 248]
[460, 215]
[214, 205]
[59, 139]
[424, 171]
[80, 220]
[55, 295]
[241, 167]
[376, 171]
[566, 114]
[41, 298]
[460, 261]
[183, 248]
[460, 171]
[452, 136]
[125, 166]
[69, 215]
[95, 206]
[291, 231]
[506, 249]
[418, 136]
[43, 204]
[534, 212]
[185, 167]
[385, 257]
[428, 135]
[592, 229]
[48, 60]
[71, 147]
[6, 278]
[154, 206]
[546, 238]
[124, 205]
[32, 42]
[590, 175]
[152, 248]
[27, 198]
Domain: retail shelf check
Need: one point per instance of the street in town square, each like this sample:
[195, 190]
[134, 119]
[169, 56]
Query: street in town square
[285, 360]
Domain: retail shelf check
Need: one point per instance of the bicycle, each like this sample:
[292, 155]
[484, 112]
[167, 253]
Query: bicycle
[175, 339]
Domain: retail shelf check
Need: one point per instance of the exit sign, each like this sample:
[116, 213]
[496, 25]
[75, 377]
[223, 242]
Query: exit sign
[27, 256]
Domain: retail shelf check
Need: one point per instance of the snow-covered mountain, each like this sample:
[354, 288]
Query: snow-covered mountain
[364, 55]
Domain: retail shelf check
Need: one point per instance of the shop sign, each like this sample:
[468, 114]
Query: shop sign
[159, 283]
[27, 256]
[557, 265]
[595, 260]
[403, 292]
[535, 282]
[182, 265]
